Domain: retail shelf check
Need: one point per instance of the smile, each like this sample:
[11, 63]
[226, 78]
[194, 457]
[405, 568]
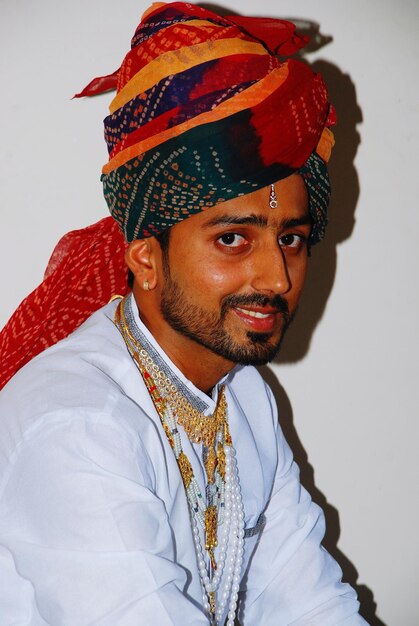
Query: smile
[257, 314]
[257, 320]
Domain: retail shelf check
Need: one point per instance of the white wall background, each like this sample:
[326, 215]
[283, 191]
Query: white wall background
[350, 363]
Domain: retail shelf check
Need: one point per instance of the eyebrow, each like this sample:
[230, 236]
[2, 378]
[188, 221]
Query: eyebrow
[256, 220]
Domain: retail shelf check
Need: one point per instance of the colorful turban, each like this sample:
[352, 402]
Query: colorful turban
[205, 111]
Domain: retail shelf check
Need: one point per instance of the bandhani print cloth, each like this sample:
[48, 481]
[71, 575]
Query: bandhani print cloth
[206, 112]
[85, 270]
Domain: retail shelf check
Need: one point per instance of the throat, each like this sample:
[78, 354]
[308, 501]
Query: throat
[198, 364]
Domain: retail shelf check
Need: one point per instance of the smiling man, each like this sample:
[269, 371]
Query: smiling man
[227, 283]
[145, 476]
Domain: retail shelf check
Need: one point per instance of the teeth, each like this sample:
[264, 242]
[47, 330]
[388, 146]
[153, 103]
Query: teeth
[255, 313]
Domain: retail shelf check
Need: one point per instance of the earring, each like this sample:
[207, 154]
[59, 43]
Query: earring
[146, 286]
[273, 201]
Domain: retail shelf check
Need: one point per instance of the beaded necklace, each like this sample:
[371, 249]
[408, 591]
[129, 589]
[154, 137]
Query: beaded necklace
[222, 507]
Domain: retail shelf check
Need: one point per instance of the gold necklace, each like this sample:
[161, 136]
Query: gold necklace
[200, 428]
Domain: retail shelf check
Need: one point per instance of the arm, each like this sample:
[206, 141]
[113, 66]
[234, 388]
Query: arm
[292, 580]
[85, 529]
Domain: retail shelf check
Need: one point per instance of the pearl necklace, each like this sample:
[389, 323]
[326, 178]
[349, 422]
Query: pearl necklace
[224, 508]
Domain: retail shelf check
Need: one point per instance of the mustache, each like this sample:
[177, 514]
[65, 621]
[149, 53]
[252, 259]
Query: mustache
[276, 302]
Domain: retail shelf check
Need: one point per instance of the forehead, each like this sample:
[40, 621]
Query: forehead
[292, 201]
[291, 196]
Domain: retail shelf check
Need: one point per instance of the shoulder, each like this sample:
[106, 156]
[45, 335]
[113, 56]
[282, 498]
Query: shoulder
[87, 378]
[69, 370]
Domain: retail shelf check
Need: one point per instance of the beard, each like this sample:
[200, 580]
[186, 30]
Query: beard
[210, 330]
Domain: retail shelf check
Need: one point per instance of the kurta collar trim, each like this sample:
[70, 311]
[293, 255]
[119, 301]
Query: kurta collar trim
[140, 332]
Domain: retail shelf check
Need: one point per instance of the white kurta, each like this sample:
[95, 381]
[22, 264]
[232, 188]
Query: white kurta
[94, 521]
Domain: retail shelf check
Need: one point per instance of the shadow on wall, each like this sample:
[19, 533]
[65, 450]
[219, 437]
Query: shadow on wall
[320, 280]
[345, 192]
[365, 595]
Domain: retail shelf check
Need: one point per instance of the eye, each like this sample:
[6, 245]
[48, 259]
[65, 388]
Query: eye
[231, 240]
[292, 241]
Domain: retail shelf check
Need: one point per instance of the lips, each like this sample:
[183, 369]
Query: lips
[259, 319]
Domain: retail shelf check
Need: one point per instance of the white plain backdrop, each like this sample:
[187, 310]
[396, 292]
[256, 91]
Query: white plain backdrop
[346, 381]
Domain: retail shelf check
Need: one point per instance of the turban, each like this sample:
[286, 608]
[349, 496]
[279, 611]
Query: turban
[207, 109]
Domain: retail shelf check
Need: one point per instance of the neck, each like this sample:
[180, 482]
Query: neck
[200, 365]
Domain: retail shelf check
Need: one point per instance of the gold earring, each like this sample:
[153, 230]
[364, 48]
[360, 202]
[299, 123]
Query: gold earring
[146, 286]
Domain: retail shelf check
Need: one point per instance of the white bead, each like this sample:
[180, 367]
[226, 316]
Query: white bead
[227, 497]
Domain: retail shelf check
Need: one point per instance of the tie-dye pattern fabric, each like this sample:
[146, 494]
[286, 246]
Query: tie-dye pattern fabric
[205, 113]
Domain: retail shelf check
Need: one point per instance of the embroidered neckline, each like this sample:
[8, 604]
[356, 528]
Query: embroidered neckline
[198, 403]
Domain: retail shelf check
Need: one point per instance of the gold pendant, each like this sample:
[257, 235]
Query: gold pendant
[211, 464]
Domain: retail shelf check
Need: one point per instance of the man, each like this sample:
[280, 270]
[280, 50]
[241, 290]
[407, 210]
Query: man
[145, 478]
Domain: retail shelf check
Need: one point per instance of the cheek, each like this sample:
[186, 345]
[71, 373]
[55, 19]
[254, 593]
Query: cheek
[224, 277]
[210, 275]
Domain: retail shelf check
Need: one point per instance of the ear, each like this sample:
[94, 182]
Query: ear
[141, 259]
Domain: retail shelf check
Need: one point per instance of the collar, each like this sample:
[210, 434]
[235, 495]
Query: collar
[198, 399]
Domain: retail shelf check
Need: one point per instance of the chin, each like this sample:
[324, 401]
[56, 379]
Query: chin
[256, 349]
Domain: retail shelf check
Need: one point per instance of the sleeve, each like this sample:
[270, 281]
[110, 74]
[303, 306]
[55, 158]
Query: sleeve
[85, 534]
[292, 580]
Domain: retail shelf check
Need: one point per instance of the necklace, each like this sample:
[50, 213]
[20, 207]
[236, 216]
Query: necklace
[220, 514]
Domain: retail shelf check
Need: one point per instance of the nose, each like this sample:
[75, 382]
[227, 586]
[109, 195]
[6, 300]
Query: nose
[270, 270]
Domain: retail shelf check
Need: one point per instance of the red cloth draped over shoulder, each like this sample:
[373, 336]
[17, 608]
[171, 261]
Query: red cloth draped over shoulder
[86, 268]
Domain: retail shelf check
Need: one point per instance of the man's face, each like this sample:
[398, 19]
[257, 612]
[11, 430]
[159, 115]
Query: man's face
[233, 275]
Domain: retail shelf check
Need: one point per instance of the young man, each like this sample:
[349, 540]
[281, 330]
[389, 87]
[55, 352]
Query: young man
[145, 478]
